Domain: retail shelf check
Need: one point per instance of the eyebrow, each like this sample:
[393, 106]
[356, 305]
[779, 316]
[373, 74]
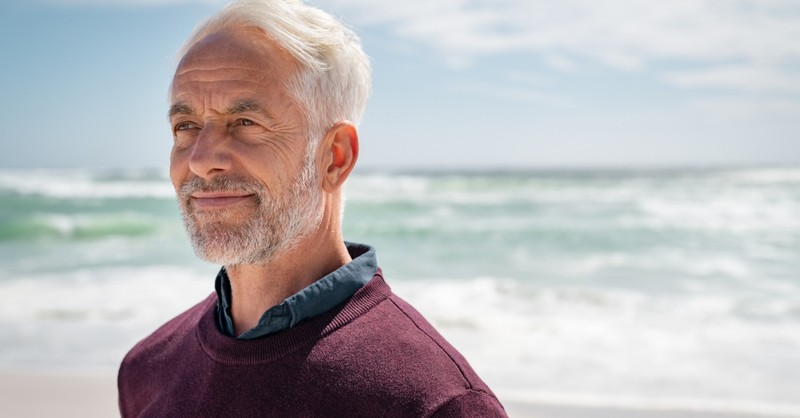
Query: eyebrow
[241, 106]
[248, 105]
[180, 108]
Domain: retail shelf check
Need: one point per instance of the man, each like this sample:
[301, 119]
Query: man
[264, 105]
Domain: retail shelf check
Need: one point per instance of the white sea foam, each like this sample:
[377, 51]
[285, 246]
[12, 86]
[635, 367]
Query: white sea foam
[83, 185]
[615, 343]
[88, 319]
[648, 403]
[772, 176]
[704, 202]
[685, 264]
[137, 295]
[70, 225]
[737, 213]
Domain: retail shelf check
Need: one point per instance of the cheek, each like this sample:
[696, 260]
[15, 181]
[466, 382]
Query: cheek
[178, 167]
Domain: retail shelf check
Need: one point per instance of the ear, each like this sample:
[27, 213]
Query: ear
[340, 152]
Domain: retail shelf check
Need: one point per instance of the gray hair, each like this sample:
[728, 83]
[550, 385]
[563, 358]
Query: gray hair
[335, 78]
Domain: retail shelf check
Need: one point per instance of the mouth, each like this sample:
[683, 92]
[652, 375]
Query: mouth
[218, 200]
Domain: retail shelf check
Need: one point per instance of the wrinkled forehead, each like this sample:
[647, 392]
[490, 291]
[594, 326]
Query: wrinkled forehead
[244, 49]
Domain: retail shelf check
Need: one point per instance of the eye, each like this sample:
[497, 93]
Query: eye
[184, 132]
[246, 127]
[244, 122]
[185, 126]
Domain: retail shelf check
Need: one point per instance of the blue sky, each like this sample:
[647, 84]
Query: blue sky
[458, 83]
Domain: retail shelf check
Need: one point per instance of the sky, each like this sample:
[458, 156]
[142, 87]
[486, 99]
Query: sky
[458, 84]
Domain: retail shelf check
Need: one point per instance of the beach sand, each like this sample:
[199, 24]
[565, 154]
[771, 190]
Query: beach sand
[532, 410]
[39, 395]
[95, 396]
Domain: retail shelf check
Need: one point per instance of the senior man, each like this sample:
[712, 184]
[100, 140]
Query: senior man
[264, 105]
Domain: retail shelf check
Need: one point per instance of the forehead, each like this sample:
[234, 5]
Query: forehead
[241, 60]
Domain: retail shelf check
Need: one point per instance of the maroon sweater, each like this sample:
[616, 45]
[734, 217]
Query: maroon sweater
[374, 356]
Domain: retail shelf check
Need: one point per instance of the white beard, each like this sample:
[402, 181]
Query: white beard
[276, 223]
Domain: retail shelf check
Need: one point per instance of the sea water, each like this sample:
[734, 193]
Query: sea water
[657, 289]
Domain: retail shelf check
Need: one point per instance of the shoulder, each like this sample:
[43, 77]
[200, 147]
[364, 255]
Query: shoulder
[145, 370]
[394, 331]
[393, 353]
[440, 350]
[471, 403]
[168, 336]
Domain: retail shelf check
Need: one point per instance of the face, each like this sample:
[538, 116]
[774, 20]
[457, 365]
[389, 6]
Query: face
[245, 180]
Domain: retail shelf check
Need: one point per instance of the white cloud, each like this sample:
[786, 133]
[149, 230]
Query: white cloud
[522, 94]
[744, 109]
[741, 77]
[761, 36]
[527, 79]
[560, 62]
[128, 3]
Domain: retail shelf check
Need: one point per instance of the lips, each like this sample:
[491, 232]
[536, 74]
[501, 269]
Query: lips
[218, 200]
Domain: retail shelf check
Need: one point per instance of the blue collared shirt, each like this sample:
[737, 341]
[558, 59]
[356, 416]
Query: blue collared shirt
[318, 298]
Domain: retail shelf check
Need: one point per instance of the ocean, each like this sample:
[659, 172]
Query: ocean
[629, 288]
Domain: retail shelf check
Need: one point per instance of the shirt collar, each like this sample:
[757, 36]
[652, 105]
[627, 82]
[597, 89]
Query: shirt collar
[318, 298]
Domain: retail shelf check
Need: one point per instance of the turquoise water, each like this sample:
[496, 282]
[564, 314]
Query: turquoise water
[674, 287]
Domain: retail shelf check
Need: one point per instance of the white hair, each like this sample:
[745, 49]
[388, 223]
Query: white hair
[335, 78]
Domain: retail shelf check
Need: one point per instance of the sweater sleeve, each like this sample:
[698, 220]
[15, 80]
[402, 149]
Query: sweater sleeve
[472, 403]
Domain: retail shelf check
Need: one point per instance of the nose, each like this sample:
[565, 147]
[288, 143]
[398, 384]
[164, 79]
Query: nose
[210, 153]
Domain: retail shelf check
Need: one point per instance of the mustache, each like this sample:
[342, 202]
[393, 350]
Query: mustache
[220, 184]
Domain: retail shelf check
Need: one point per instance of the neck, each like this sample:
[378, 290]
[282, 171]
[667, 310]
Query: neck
[257, 287]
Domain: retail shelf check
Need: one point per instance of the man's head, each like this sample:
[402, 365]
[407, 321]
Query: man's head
[334, 77]
[264, 102]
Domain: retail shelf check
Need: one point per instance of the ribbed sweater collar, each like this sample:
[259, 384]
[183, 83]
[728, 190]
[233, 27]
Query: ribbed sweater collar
[236, 352]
